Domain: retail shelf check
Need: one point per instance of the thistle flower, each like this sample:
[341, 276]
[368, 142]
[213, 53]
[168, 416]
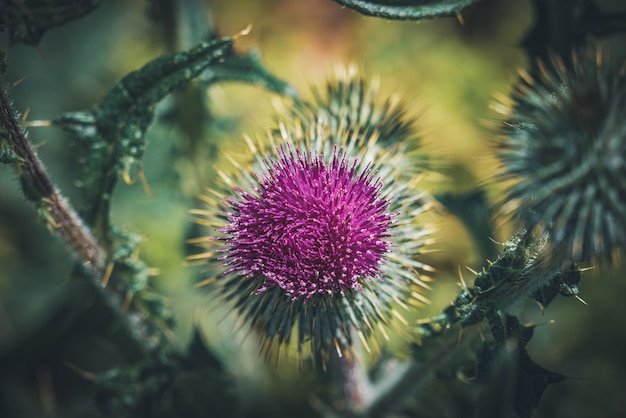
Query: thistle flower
[310, 227]
[317, 236]
[564, 147]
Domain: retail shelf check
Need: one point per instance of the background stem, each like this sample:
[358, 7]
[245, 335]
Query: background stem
[56, 209]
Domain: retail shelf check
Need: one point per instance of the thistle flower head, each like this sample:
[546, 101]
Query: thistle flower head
[315, 241]
[310, 227]
[564, 147]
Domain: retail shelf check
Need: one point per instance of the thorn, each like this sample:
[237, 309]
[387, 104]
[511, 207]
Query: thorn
[200, 212]
[493, 240]
[234, 161]
[127, 179]
[107, 274]
[201, 256]
[225, 177]
[154, 271]
[364, 343]
[540, 324]
[382, 331]
[525, 75]
[127, 300]
[204, 283]
[244, 32]
[196, 263]
[581, 300]
[421, 298]
[400, 318]
[18, 82]
[474, 272]
[199, 240]
[82, 373]
[144, 182]
[250, 144]
[463, 284]
[338, 350]
[37, 123]
[459, 17]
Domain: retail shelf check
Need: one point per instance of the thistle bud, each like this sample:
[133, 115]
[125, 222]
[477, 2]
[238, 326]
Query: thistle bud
[564, 148]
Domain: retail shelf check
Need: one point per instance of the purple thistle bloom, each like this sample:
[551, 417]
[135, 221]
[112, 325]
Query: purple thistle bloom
[317, 238]
[310, 227]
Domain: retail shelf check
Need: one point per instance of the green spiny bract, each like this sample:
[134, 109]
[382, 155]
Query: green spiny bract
[563, 146]
[524, 269]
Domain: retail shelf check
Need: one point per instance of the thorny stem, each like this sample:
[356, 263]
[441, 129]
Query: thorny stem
[65, 221]
[58, 211]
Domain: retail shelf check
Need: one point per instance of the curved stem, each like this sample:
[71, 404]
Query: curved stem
[56, 209]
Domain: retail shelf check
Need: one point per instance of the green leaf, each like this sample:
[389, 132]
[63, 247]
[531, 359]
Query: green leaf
[27, 21]
[113, 133]
[513, 381]
[407, 9]
[247, 69]
[566, 283]
[200, 355]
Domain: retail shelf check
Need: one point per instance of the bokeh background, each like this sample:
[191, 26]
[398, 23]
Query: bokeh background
[447, 72]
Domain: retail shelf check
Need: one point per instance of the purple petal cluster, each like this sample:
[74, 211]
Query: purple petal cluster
[311, 226]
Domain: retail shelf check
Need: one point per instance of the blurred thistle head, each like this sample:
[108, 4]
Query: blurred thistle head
[315, 240]
[564, 148]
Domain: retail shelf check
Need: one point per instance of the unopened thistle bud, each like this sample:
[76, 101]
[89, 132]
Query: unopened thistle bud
[564, 147]
[317, 237]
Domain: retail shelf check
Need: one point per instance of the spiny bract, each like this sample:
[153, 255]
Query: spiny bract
[564, 147]
[318, 234]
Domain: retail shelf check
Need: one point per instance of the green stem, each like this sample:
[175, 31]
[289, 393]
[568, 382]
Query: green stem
[63, 220]
[55, 208]
[355, 384]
